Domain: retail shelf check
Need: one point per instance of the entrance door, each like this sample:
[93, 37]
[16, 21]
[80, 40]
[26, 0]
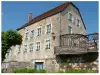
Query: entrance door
[38, 65]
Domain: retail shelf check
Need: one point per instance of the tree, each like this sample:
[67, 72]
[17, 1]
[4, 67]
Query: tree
[10, 38]
[3, 45]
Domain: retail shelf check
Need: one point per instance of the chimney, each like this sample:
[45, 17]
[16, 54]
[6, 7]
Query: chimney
[30, 17]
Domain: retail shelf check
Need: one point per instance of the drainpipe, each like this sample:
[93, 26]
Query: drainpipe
[60, 27]
[60, 34]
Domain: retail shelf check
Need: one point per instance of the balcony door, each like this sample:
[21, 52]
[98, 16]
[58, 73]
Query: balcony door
[70, 29]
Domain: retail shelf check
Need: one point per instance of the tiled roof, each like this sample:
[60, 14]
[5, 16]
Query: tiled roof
[49, 13]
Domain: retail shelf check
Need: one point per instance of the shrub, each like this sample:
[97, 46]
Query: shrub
[31, 70]
[23, 70]
[28, 70]
[2, 70]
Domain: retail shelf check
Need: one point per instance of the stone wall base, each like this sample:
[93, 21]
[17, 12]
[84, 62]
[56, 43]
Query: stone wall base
[52, 66]
[84, 66]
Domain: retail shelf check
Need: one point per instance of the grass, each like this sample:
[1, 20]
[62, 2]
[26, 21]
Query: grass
[27, 70]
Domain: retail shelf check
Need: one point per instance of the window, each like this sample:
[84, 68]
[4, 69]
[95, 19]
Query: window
[73, 20]
[70, 29]
[48, 28]
[31, 47]
[26, 36]
[78, 22]
[39, 31]
[32, 33]
[38, 46]
[70, 16]
[38, 65]
[25, 48]
[47, 44]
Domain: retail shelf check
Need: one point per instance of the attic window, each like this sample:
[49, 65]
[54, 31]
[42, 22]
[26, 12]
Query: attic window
[70, 16]
[78, 22]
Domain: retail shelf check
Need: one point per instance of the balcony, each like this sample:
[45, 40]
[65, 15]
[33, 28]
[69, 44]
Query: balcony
[77, 44]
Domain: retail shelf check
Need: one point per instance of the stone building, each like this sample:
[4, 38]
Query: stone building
[50, 38]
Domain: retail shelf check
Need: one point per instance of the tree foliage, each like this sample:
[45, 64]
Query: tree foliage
[10, 38]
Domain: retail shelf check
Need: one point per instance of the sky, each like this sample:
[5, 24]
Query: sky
[15, 14]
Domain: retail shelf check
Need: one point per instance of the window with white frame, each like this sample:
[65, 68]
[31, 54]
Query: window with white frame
[39, 32]
[47, 44]
[25, 48]
[48, 28]
[32, 34]
[70, 16]
[70, 29]
[37, 46]
[31, 47]
[26, 36]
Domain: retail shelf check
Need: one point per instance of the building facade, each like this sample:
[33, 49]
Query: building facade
[42, 38]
